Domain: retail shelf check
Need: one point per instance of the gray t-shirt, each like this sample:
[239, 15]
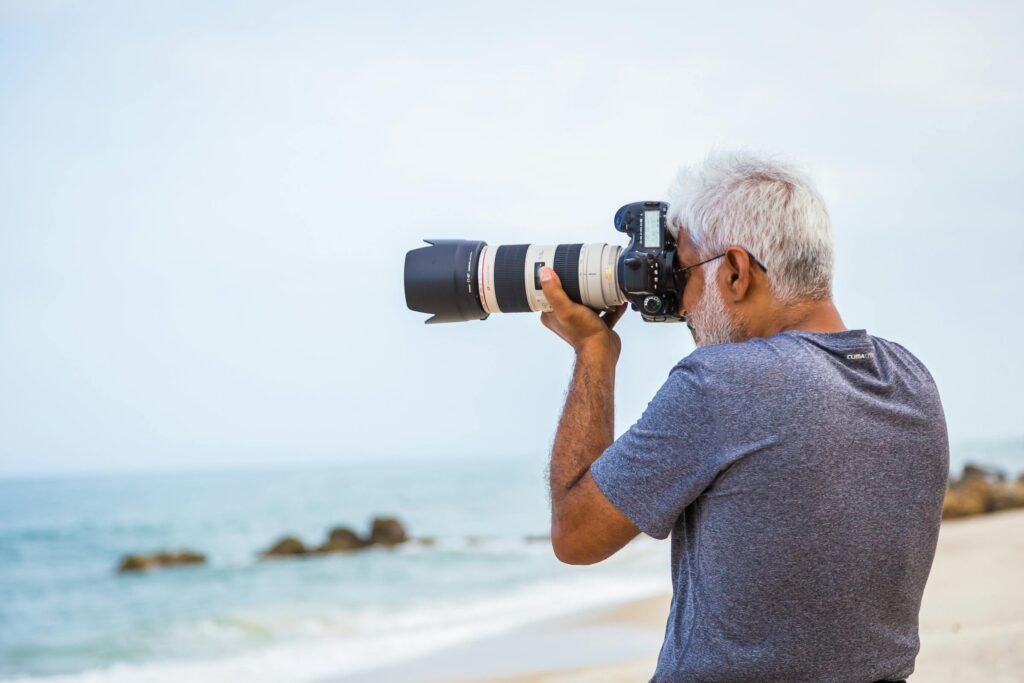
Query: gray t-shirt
[801, 477]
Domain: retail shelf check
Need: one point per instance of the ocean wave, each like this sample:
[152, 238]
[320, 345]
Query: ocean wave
[300, 645]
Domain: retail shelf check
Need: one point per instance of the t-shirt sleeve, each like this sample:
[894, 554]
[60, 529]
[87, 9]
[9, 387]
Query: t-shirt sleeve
[666, 460]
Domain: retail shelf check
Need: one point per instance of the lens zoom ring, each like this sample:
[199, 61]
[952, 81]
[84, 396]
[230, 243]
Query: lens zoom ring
[567, 265]
[510, 278]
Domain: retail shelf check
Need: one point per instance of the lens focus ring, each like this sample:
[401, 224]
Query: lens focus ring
[567, 265]
[509, 264]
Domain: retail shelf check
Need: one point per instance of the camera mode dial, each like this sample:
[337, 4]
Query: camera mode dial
[652, 304]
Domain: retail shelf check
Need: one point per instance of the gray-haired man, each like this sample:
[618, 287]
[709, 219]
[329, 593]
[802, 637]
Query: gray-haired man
[799, 466]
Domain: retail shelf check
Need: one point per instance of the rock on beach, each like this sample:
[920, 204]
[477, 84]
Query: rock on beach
[979, 491]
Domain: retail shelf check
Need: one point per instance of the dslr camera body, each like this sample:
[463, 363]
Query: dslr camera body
[648, 268]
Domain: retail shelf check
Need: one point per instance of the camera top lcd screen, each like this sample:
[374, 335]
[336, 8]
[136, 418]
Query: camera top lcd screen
[652, 229]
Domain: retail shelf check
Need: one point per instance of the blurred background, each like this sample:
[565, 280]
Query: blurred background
[204, 212]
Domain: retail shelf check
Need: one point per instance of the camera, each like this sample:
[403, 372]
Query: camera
[457, 280]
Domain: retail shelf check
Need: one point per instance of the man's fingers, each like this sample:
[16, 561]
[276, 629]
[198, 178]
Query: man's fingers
[611, 317]
[552, 287]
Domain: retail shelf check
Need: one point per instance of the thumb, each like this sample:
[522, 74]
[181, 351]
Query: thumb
[552, 288]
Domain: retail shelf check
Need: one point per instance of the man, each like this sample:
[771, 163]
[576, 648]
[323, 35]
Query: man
[799, 466]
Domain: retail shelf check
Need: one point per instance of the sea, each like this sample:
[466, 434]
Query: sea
[479, 564]
[67, 615]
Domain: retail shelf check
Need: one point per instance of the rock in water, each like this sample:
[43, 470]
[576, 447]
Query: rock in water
[164, 558]
[135, 563]
[342, 539]
[289, 546]
[387, 531]
[168, 559]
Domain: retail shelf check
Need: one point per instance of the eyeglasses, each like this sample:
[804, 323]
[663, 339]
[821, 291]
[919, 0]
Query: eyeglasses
[682, 271]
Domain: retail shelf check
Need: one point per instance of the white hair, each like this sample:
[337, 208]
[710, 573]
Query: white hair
[767, 207]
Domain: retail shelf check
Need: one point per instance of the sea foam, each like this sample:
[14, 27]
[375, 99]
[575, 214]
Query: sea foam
[332, 643]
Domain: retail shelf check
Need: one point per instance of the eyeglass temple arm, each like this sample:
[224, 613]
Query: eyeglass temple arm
[757, 261]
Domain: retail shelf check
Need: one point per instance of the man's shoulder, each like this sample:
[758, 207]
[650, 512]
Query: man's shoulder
[785, 355]
[734, 359]
[910, 361]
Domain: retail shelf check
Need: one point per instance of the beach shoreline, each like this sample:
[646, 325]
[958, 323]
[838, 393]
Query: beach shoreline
[971, 625]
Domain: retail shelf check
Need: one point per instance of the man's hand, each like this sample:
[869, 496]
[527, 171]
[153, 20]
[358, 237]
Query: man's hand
[577, 324]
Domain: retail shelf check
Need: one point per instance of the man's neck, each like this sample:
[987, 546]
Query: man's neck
[809, 316]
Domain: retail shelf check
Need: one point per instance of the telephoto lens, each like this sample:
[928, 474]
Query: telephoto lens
[456, 280]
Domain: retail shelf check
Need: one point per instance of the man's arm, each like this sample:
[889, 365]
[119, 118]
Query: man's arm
[585, 526]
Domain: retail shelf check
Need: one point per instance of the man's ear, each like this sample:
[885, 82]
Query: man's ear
[738, 270]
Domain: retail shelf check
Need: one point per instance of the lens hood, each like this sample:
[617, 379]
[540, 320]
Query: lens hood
[442, 280]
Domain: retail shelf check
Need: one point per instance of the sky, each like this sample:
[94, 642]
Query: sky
[205, 208]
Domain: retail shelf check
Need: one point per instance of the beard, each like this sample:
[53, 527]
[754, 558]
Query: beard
[709, 320]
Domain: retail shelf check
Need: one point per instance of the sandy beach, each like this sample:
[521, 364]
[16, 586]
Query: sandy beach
[972, 625]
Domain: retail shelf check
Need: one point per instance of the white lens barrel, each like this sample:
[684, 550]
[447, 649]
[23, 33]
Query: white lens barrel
[599, 277]
[508, 275]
